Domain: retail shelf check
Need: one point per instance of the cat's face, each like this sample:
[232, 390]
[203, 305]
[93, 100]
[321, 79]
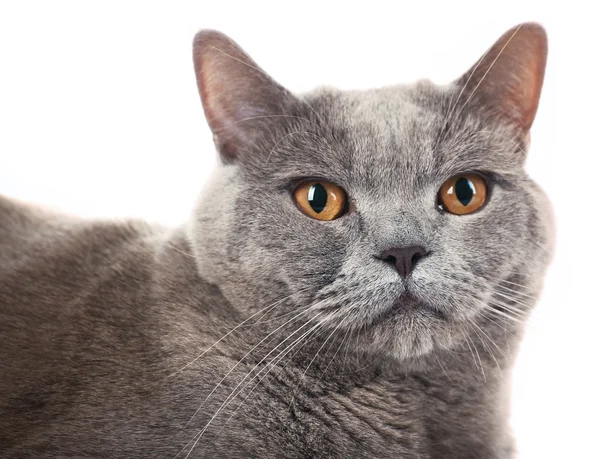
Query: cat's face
[390, 150]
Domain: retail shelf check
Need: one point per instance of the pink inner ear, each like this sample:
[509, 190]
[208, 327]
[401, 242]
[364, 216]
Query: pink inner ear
[533, 91]
[226, 96]
[234, 91]
[248, 112]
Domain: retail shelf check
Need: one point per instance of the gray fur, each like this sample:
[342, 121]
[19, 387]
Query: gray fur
[101, 322]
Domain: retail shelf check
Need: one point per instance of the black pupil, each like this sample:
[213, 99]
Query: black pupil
[464, 190]
[317, 197]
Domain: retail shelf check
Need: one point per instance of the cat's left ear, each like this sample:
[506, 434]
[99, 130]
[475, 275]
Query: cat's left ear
[239, 99]
[507, 81]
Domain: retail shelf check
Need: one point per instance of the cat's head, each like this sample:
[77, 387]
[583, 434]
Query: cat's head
[400, 214]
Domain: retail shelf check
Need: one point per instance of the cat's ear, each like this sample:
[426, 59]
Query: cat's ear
[506, 82]
[238, 97]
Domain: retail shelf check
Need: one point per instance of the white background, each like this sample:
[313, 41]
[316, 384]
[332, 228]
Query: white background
[99, 116]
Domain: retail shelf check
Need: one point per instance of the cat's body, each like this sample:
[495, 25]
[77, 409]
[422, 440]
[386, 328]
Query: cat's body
[116, 309]
[122, 340]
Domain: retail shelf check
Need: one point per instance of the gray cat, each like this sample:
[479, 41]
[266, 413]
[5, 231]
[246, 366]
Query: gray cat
[353, 283]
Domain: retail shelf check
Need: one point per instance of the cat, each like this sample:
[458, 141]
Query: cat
[353, 282]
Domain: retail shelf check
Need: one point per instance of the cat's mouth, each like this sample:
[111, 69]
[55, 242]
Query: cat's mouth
[407, 305]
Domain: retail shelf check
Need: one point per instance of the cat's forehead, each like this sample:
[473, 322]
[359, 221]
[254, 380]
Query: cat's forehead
[385, 112]
[412, 134]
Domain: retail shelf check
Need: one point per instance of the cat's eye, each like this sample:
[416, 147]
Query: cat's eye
[463, 194]
[321, 200]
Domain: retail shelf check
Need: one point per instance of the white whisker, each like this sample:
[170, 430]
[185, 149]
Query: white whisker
[270, 365]
[266, 116]
[482, 337]
[281, 140]
[516, 292]
[504, 315]
[315, 356]
[250, 352]
[478, 358]
[454, 103]
[514, 283]
[232, 330]
[514, 300]
[336, 352]
[225, 403]
[443, 369]
[506, 138]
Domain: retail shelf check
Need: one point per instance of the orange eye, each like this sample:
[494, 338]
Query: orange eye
[463, 194]
[321, 200]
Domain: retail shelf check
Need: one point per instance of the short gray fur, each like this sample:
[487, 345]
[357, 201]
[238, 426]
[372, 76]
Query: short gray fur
[101, 322]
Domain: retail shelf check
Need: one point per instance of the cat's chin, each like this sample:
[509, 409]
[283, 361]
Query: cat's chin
[408, 329]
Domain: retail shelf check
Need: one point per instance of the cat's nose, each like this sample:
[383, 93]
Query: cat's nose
[403, 259]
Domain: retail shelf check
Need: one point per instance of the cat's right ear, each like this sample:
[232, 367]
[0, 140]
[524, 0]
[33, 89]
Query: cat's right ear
[507, 81]
[238, 97]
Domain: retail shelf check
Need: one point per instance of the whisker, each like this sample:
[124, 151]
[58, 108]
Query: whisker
[486, 347]
[336, 353]
[273, 319]
[512, 308]
[224, 404]
[443, 369]
[504, 315]
[485, 308]
[313, 359]
[485, 334]
[478, 358]
[514, 300]
[273, 363]
[506, 138]
[468, 343]
[345, 359]
[281, 140]
[317, 335]
[499, 280]
[181, 251]
[502, 326]
[250, 352]
[507, 308]
[266, 116]
[454, 103]
[524, 287]
[232, 330]
[516, 292]
[505, 311]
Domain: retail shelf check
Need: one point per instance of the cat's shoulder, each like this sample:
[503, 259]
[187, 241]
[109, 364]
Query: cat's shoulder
[31, 231]
[21, 224]
[17, 215]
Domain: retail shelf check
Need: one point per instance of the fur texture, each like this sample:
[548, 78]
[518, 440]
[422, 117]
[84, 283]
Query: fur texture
[255, 331]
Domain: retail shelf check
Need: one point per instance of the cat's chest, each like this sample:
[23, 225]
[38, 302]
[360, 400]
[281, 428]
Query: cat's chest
[287, 414]
[280, 417]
